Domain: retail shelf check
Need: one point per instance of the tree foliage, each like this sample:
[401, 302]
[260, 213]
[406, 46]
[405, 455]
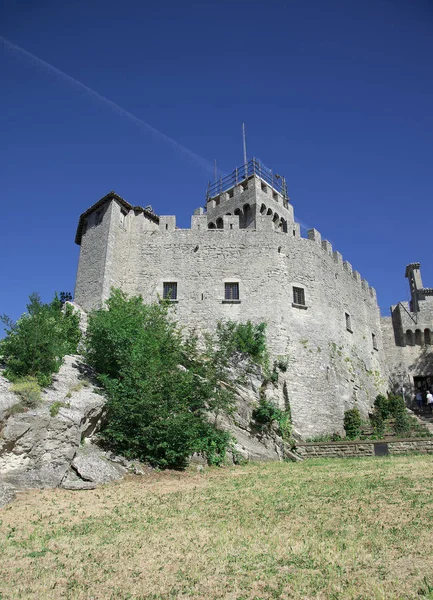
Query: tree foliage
[161, 389]
[36, 344]
[244, 338]
[352, 423]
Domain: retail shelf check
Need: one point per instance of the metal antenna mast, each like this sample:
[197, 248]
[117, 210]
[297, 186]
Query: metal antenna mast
[245, 148]
[215, 169]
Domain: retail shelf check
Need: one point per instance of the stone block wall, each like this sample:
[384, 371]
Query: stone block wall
[358, 449]
[331, 367]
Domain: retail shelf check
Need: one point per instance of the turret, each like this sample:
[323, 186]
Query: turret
[250, 192]
[413, 273]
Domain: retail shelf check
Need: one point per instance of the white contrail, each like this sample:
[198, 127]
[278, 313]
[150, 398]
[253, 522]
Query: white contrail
[198, 160]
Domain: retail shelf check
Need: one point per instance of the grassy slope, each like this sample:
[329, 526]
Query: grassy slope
[354, 528]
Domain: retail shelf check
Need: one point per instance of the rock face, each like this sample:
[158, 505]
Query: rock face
[51, 445]
[255, 442]
[38, 446]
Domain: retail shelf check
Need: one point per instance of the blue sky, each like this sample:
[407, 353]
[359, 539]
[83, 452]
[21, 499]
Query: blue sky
[336, 95]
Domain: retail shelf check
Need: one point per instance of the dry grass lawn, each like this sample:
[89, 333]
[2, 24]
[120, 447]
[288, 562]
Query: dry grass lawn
[354, 528]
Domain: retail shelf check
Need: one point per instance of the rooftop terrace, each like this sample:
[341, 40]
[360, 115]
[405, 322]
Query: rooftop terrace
[240, 174]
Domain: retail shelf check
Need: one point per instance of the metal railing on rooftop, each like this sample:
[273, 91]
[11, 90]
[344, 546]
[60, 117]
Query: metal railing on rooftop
[240, 174]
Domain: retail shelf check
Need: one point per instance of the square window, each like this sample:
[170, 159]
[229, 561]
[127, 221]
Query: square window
[231, 291]
[298, 295]
[348, 322]
[169, 290]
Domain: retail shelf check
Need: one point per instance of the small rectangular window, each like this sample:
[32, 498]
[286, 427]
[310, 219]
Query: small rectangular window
[298, 296]
[374, 340]
[169, 291]
[348, 322]
[98, 217]
[231, 291]
[123, 214]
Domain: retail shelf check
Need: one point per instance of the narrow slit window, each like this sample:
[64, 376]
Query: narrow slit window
[374, 340]
[299, 296]
[169, 291]
[231, 291]
[348, 322]
[98, 217]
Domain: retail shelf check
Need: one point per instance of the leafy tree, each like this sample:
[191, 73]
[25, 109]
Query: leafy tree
[382, 406]
[378, 423]
[160, 388]
[352, 423]
[36, 344]
[402, 425]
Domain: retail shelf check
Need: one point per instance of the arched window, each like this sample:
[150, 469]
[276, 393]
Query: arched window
[284, 225]
[427, 337]
[269, 212]
[248, 216]
[262, 209]
[211, 226]
[418, 337]
[409, 338]
[219, 223]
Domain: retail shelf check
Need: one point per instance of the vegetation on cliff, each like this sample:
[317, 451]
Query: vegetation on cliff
[161, 388]
[35, 345]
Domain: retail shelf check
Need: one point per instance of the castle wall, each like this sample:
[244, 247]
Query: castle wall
[330, 368]
[406, 361]
[90, 282]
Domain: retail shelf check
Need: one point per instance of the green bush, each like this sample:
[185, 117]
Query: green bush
[325, 437]
[160, 389]
[396, 405]
[55, 407]
[352, 423]
[28, 391]
[377, 423]
[402, 424]
[267, 412]
[36, 344]
[381, 405]
[245, 338]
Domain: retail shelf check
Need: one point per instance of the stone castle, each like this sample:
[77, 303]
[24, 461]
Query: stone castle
[244, 258]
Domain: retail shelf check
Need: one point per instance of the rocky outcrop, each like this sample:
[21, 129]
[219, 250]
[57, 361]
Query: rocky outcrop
[38, 446]
[254, 441]
[51, 445]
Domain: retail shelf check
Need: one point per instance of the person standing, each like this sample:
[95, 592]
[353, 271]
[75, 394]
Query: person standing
[418, 398]
[430, 401]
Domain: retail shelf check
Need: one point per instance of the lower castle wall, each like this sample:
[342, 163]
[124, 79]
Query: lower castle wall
[364, 448]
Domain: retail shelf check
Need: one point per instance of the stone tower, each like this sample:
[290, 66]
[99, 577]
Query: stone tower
[250, 192]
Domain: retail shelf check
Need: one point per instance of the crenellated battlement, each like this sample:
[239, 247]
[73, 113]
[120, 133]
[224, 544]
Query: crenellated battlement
[315, 236]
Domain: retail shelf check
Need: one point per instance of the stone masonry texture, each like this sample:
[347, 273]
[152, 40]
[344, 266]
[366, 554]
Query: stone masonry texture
[333, 343]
